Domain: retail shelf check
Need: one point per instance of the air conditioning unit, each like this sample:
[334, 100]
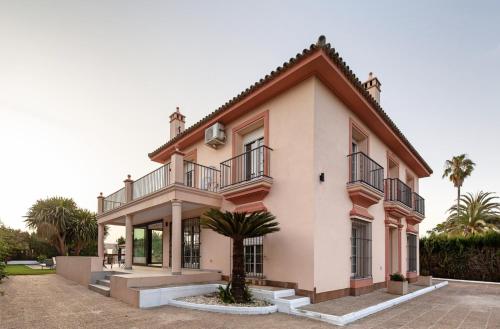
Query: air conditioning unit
[214, 135]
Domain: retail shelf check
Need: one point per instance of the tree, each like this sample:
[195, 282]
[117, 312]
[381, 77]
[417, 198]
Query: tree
[476, 213]
[457, 170]
[83, 229]
[52, 219]
[239, 226]
[120, 241]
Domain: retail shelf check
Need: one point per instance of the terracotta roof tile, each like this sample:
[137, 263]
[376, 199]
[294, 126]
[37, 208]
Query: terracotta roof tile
[337, 60]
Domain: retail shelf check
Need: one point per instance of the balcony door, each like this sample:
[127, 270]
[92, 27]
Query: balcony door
[254, 158]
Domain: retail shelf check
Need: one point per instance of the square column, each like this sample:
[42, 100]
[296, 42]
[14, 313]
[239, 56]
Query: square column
[128, 242]
[166, 242]
[176, 228]
[100, 241]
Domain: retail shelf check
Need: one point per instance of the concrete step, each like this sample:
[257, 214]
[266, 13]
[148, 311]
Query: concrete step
[103, 290]
[297, 301]
[104, 282]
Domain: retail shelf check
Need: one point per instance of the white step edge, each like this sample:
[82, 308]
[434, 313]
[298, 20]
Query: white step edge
[466, 281]
[342, 320]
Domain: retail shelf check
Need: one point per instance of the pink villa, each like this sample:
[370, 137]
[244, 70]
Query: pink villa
[310, 143]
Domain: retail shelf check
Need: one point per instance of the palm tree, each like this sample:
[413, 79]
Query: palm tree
[83, 229]
[52, 219]
[239, 226]
[458, 169]
[477, 213]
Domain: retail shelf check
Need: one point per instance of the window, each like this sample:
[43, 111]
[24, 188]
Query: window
[191, 243]
[361, 249]
[411, 246]
[253, 254]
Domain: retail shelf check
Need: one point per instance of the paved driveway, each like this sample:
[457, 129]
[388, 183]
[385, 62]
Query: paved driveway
[49, 301]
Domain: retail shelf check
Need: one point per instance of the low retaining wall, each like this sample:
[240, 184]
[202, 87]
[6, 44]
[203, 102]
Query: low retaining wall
[126, 287]
[78, 268]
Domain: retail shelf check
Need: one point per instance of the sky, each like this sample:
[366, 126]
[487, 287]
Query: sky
[86, 87]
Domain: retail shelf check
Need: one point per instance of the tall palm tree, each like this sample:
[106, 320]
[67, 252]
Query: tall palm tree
[457, 170]
[239, 226]
[83, 229]
[476, 213]
[52, 219]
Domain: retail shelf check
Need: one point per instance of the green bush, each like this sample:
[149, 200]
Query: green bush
[397, 277]
[476, 257]
[225, 294]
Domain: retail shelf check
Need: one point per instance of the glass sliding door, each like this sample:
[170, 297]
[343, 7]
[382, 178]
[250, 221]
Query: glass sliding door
[156, 247]
[139, 255]
[148, 244]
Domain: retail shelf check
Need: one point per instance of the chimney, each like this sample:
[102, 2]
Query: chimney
[372, 85]
[177, 121]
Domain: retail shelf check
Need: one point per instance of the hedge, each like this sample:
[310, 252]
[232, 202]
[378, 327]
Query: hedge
[476, 257]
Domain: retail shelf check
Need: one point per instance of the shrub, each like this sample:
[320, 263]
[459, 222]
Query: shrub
[476, 257]
[225, 294]
[397, 277]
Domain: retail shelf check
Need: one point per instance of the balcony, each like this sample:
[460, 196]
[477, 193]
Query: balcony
[114, 200]
[398, 198]
[365, 185]
[418, 212]
[246, 178]
[178, 180]
[152, 182]
[201, 177]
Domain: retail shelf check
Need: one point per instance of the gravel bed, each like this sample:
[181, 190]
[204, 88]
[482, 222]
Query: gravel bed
[213, 299]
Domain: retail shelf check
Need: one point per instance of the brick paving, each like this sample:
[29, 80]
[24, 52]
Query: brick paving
[49, 301]
[348, 304]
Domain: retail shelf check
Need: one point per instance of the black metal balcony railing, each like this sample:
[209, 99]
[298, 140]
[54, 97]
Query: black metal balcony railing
[201, 177]
[152, 182]
[418, 204]
[363, 169]
[114, 200]
[246, 166]
[396, 190]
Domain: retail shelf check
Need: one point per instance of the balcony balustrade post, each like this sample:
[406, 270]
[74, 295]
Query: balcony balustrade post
[128, 188]
[177, 167]
[100, 204]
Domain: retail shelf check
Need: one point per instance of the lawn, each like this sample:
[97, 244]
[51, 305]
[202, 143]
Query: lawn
[25, 270]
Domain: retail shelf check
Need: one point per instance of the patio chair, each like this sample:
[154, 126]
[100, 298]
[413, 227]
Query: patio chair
[49, 263]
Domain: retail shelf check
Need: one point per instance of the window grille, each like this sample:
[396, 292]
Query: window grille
[411, 246]
[254, 254]
[191, 243]
[361, 249]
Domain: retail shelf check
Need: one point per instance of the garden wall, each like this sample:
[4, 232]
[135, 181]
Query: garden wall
[78, 268]
[476, 257]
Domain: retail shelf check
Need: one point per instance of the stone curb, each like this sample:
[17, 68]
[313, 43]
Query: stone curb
[354, 316]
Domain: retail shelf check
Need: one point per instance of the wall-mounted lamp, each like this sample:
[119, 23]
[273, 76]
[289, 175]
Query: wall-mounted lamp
[322, 177]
